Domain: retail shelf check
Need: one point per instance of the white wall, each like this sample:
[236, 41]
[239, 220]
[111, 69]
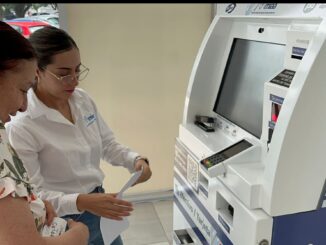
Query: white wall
[140, 58]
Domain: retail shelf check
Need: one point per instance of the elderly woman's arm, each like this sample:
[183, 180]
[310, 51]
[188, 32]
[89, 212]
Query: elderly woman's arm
[17, 226]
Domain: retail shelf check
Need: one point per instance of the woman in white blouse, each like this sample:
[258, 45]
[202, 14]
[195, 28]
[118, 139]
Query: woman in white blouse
[62, 138]
[22, 213]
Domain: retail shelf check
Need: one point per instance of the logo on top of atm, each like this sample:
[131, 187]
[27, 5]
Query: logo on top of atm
[261, 8]
[309, 7]
[229, 9]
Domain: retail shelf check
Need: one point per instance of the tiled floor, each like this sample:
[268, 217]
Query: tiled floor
[150, 224]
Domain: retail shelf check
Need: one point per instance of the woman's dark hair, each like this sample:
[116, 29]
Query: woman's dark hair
[48, 42]
[14, 47]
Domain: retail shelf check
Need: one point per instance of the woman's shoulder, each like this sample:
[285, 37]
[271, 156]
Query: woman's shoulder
[82, 95]
[20, 120]
[13, 175]
[80, 92]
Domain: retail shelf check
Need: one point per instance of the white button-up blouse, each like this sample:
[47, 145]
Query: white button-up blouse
[62, 158]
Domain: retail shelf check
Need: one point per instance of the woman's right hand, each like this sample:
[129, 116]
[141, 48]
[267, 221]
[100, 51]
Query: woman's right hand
[104, 204]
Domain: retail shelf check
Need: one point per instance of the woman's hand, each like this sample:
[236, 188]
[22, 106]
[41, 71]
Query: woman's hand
[104, 204]
[50, 212]
[146, 174]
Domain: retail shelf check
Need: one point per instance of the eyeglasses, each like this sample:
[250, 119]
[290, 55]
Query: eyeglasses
[81, 75]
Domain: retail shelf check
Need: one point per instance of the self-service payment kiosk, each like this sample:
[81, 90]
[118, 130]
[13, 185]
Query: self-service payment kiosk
[258, 178]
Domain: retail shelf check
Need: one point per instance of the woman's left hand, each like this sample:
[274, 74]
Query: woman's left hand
[146, 174]
[50, 212]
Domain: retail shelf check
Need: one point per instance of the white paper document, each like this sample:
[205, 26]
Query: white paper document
[110, 228]
[134, 177]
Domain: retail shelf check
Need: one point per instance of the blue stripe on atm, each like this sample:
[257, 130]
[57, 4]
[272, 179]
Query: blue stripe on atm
[191, 223]
[224, 239]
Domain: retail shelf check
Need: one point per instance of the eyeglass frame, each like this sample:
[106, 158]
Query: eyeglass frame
[60, 78]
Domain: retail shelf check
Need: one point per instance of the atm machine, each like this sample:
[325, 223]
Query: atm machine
[256, 176]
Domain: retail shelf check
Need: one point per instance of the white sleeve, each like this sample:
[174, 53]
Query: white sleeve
[27, 149]
[112, 151]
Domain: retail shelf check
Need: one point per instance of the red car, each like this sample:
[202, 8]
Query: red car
[26, 28]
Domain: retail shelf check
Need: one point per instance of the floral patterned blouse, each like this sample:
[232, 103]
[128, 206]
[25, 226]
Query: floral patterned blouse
[14, 180]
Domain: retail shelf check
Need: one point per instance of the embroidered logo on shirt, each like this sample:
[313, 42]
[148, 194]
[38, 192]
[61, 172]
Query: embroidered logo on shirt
[89, 119]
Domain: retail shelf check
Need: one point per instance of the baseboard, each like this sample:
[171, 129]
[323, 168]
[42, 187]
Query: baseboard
[149, 196]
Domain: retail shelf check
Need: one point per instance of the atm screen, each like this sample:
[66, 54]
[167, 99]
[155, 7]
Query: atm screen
[249, 66]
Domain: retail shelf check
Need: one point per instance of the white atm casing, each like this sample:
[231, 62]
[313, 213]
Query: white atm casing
[285, 176]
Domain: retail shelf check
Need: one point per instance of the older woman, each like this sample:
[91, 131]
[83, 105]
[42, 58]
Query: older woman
[22, 213]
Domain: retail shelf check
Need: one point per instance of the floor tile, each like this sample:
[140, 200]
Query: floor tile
[164, 210]
[145, 226]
